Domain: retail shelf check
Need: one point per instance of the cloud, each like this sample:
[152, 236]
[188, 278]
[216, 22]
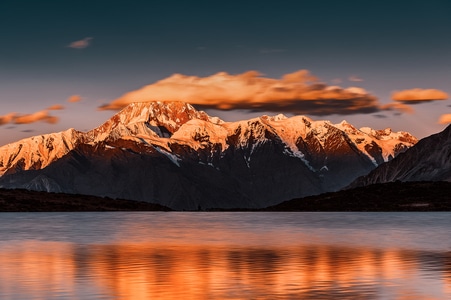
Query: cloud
[355, 78]
[74, 98]
[56, 107]
[39, 116]
[400, 107]
[81, 44]
[5, 119]
[418, 95]
[445, 119]
[42, 116]
[380, 116]
[297, 92]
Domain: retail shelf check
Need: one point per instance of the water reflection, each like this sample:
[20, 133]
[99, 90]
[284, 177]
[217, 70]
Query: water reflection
[60, 270]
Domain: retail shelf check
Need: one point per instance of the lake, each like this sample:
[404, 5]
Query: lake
[225, 255]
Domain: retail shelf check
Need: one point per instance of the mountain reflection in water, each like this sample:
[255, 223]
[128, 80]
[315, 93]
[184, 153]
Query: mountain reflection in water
[195, 269]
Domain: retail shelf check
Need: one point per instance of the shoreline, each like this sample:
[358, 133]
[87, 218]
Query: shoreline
[386, 197]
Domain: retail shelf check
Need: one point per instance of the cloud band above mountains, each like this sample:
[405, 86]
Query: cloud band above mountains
[298, 92]
[42, 115]
[418, 95]
[5, 119]
[39, 116]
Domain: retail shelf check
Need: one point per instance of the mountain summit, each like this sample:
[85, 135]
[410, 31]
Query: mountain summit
[429, 160]
[170, 153]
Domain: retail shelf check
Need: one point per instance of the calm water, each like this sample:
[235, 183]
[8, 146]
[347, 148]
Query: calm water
[179, 255]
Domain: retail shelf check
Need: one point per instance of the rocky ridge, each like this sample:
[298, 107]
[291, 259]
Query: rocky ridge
[429, 160]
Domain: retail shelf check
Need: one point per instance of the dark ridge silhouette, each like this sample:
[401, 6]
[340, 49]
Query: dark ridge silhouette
[392, 196]
[21, 200]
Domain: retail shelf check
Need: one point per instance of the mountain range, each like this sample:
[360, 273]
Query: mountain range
[428, 160]
[174, 155]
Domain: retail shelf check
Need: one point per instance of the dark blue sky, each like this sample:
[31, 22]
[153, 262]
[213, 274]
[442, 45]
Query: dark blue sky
[389, 45]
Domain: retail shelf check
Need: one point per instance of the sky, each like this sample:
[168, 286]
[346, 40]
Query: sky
[74, 64]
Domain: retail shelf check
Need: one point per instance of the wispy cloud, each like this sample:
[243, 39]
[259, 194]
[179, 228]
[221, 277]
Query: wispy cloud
[298, 92]
[42, 116]
[445, 119]
[418, 95]
[74, 98]
[80, 44]
[5, 119]
[39, 116]
[380, 116]
[56, 107]
[355, 78]
[397, 106]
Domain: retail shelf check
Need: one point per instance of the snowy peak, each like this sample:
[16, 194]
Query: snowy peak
[379, 145]
[388, 134]
[37, 152]
[429, 160]
[198, 133]
[149, 119]
[171, 115]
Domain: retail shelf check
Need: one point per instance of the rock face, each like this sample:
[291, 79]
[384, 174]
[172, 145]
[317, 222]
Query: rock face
[170, 153]
[428, 160]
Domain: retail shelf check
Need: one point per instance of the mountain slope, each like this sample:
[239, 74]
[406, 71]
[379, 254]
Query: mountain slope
[428, 160]
[171, 154]
[37, 152]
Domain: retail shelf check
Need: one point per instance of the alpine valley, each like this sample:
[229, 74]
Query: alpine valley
[171, 154]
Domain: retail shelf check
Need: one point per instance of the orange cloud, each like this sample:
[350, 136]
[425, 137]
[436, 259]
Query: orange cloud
[297, 92]
[42, 115]
[398, 106]
[56, 107]
[419, 95]
[5, 119]
[81, 44]
[445, 119]
[74, 98]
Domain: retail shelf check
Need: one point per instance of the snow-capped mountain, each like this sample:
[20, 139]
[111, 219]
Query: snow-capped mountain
[172, 154]
[37, 152]
[428, 160]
